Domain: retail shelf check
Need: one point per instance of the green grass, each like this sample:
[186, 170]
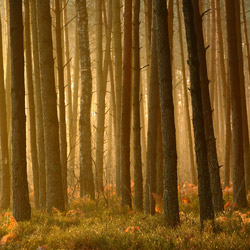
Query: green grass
[103, 224]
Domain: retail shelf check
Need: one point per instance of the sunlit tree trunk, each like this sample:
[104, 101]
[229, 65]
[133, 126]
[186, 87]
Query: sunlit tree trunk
[138, 187]
[86, 173]
[118, 86]
[204, 189]
[20, 192]
[126, 106]
[55, 196]
[32, 119]
[239, 190]
[5, 164]
[171, 206]
[186, 103]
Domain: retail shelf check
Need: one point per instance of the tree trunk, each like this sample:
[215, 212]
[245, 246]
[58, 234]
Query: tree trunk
[62, 120]
[118, 83]
[32, 119]
[213, 164]
[5, 185]
[153, 107]
[20, 192]
[126, 106]
[86, 173]
[204, 189]
[239, 190]
[55, 196]
[138, 188]
[171, 206]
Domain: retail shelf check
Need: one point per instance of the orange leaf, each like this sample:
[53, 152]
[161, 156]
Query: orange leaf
[186, 200]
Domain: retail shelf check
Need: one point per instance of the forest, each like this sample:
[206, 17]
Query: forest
[124, 124]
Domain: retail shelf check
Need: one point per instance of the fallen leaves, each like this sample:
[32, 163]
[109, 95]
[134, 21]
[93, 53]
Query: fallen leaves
[132, 229]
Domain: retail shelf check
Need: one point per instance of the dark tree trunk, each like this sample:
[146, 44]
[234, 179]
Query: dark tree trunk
[136, 110]
[171, 206]
[153, 107]
[204, 188]
[239, 189]
[213, 164]
[86, 173]
[21, 205]
[126, 106]
[55, 197]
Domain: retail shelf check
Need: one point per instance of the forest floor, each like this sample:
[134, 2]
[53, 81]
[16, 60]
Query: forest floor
[103, 224]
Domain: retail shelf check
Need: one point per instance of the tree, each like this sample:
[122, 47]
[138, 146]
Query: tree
[171, 206]
[239, 190]
[62, 121]
[55, 197]
[136, 109]
[126, 109]
[5, 185]
[21, 205]
[116, 25]
[213, 164]
[86, 173]
[204, 189]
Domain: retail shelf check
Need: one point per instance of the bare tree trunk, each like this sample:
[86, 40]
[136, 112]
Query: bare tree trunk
[86, 173]
[55, 196]
[32, 119]
[20, 192]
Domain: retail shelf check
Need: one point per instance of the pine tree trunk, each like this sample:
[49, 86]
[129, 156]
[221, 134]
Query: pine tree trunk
[55, 196]
[213, 164]
[239, 190]
[118, 87]
[5, 163]
[153, 107]
[138, 188]
[32, 119]
[171, 206]
[126, 106]
[204, 188]
[20, 192]
[86, 173]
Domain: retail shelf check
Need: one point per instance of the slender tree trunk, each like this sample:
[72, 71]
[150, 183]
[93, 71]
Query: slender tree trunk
[20, 192]
[32, 119]
[213, 164]
[118, 87]
[86, 173]
[5, 184]
[62, 120]
[239, 190]
[126, 106]
[246, 146]
[171, 206]
[204, 189]
[186, 103]
[153, 107]
[136, 110]
[55, 196]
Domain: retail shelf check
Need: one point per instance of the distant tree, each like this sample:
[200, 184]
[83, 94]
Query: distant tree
[239, 189]
[21, 205]
[55, 197]
[86, 173]
[5, 161]
[171, 206]
[204, 188]
[126, 106]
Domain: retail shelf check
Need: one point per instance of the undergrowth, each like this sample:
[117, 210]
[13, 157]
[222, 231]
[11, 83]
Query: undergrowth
[103, 224]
